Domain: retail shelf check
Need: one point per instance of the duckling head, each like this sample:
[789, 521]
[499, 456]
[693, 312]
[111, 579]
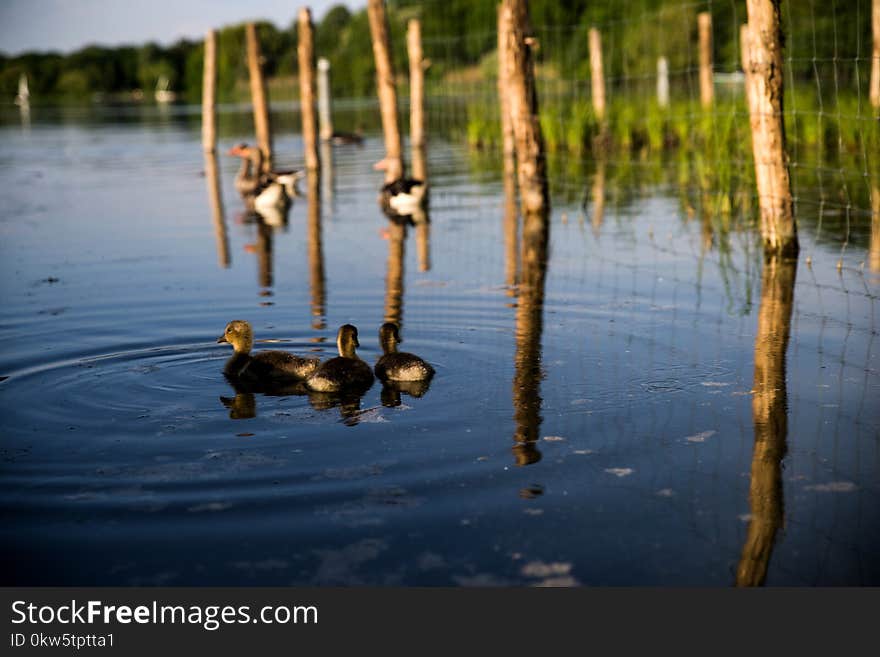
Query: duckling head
[347, 341]
[389, 337]
[239, 334]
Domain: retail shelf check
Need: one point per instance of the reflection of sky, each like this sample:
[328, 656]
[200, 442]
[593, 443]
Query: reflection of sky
[66, 25]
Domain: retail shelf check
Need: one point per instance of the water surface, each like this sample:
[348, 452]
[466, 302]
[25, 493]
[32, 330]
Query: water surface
[655, 406]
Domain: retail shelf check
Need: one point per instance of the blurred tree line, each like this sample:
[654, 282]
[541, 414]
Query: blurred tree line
[828, 43]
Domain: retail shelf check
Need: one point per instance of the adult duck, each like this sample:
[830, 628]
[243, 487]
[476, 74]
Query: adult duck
[264, 366]
[340, 138]
[249, 178]
[346, 372]
[271, 190]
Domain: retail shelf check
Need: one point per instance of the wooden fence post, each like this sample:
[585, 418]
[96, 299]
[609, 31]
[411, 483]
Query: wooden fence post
[306, 55]
[875, 57]
[707, 91]
[507, 139]
[531, 159]
[597, 73]
[764, 76]
[663, 82]
[416, 84]
[325, 115]
[209, 94]
[385, 88]
[262, 125]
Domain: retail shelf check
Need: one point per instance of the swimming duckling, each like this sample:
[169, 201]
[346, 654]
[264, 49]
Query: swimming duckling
[398, 365]
[345, 372]
[264, 365]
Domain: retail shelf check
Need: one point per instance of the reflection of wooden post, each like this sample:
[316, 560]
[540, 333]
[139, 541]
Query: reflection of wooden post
[306, 55]
[531, 160]
[764, 80]
[325, 115]
[598, 197]
[507, 138]
[511, 226]
[874, 249]
[707, 92]
[416, 85]
[385, 88]
[212, 179]
[597, 73]
[394, 277]
[527, 358]
[262, 126]
[316, 251]
[209, 94]
[421, 218]
[769, 414]
[663, 82]
[264, 255]
[327, 170]
[875, 57]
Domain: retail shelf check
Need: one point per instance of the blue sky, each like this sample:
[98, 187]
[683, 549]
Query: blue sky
[65, 25]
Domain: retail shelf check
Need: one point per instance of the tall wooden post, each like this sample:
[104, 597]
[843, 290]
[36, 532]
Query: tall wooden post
[262, 126]
[531, 159]
[764, 81]
[507, 139]
[875, 57]
[305, 51]
[707, 91]
[325, 115]
[663, 82]
[597, 73]
[209, 94]
[416, 84]
[385, 87]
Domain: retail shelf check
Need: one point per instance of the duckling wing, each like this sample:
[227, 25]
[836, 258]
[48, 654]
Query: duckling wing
[341, 373]
[280, 364]
[402, 366]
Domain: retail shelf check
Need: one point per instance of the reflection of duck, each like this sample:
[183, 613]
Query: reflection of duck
[398, 365]
[265, 365]
[391, 391]
[241, 407]
[345, 372]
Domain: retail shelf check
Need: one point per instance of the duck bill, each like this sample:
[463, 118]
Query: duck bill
[222, 338]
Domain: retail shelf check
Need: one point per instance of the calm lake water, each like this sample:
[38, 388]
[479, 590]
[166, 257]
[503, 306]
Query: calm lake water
[658, 407]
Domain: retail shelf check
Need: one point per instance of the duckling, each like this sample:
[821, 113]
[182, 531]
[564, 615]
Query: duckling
[398, 365]
[345, 372]
[264, 365]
